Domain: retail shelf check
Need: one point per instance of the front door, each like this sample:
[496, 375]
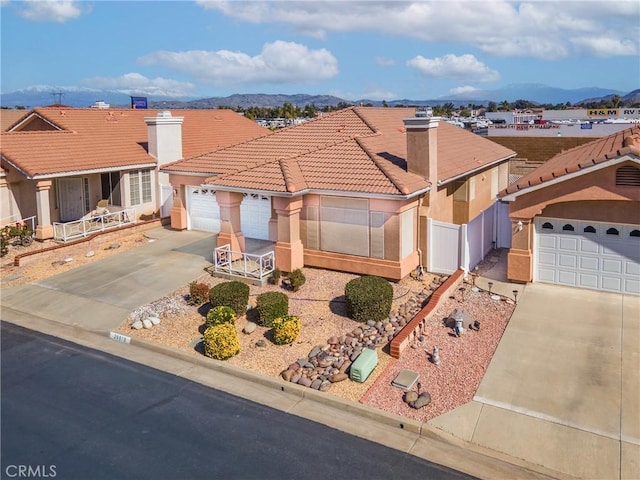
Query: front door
[70, 191]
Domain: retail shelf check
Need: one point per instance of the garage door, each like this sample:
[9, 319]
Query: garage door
[255, 212]
[594, 255]
[204, 212]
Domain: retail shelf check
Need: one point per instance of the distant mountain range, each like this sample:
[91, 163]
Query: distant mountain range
[83, 97]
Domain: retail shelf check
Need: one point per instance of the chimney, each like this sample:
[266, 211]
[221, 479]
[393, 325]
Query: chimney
[422, 145]
[164, 134]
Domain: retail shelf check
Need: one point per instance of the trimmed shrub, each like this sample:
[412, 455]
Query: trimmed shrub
[230, 294]
[271, 305]
[296, 279]
[368, 298]
[286, 329]
[221, 341]
[198, 293]
[219, 315]
[274, 278]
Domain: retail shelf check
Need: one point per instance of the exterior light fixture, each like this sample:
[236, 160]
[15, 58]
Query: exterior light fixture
[515, 296]
[490, 286]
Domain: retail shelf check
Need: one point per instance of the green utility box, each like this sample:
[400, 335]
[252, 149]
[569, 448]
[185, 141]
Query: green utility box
[363, 365]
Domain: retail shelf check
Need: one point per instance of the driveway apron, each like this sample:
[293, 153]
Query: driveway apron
[100, 295]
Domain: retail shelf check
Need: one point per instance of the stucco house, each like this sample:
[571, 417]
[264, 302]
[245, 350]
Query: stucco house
[576, 219]
[59, 162]
[353, 190]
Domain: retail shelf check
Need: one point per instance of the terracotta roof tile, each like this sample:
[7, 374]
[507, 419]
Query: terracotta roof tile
[9, 117]
[582, 157]
[93, 139]
[356, 150]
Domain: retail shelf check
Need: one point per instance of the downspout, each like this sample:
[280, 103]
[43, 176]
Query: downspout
[420, 198]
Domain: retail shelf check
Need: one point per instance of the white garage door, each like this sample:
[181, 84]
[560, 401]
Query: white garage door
[594, 255]
[204, 212]
[255, 212]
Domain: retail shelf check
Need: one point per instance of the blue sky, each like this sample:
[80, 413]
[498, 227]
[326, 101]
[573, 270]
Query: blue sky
[354, 50]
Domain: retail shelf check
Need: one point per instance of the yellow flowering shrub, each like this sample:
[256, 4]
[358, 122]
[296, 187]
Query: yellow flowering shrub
[221, 341]
[286, 329]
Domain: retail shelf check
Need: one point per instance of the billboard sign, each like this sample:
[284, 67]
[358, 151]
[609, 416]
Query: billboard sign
[139, 102]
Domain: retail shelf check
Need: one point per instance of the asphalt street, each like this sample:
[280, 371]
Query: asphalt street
[71, 412]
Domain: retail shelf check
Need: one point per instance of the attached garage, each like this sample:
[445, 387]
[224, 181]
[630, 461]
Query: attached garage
[204, 212]
[595, 255]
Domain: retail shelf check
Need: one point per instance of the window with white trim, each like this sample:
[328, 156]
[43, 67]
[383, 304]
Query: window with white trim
[140, 187]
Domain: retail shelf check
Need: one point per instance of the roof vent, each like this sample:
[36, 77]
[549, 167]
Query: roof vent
[100, 104]
[164, 114]
[423, 112]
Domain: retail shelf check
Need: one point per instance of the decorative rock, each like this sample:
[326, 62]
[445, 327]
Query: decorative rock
[68, 260]
[333, 340]
[137, 325]
[146, 323]
[90, 253]
[154, 320]
[316, 384]
[410, 396]
[326, 385]
[325, 362]
[423, 400]
[287, 374]
[114, 246]
[249, 328]
[338, 377]
[261, 343]
[294, 366]
[345, 366]
[304, 381]
[295, 378]
[315, 351]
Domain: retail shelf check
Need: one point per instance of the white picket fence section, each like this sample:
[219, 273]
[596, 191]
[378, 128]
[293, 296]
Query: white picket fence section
[452, 246]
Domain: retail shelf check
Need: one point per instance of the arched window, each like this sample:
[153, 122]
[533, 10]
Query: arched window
[589, 229]
[613, 231]
[547, 226]
[635, 233]
[568, 227]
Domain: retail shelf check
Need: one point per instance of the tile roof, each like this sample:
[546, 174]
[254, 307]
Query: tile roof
[358, 149]
[583, 157]
[96, 139]
[9, 117]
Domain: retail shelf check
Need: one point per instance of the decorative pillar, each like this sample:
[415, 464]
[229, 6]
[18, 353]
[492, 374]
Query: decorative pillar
[230, 231]
[44, 229]
[178, 211]
[520, 257]
[289, 249]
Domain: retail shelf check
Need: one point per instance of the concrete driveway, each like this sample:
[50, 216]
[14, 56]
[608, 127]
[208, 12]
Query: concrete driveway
[100, 295]
[563, 388]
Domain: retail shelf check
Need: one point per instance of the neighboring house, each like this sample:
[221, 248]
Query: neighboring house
[9, 117]
[576, 218]
[353, 190]
[58, 163]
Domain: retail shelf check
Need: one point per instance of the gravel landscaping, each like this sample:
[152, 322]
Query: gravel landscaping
[325, 328]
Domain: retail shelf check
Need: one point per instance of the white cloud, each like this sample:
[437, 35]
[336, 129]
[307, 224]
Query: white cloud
[279, 62]
[540, 29]
[463, 90]
[51, 10]
[134, 83]
[454, 66]
[604, 46]
[373, 93]
[385, 62]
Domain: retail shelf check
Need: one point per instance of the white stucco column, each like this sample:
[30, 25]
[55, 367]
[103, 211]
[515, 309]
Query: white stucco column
[44, 229]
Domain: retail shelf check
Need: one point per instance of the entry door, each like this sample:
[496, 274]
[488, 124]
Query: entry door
[71, 199]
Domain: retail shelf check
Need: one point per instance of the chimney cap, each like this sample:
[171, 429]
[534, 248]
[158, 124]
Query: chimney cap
[165, 114]
[422, 112]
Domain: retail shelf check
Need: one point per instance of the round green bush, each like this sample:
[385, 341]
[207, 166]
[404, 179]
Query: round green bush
[286, 329]
[368, 298]
[221, 341]
[230, 294]
[219, 315]
[271, 305]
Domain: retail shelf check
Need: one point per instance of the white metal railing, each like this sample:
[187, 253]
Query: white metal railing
[88, 226]
[243, 264]
[16, 219]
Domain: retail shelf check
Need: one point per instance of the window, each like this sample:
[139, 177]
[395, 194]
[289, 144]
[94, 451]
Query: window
[589, 229]
[547, 226]
[87, 200]
[110, 183]
[568, 227]
[140, 186]
[613, 231]
[344, 225]
[635, 233]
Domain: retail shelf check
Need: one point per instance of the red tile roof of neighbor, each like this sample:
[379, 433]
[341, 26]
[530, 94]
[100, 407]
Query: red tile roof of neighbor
[583, 157]
[8, 117]
[91, 139]
[358, 149]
